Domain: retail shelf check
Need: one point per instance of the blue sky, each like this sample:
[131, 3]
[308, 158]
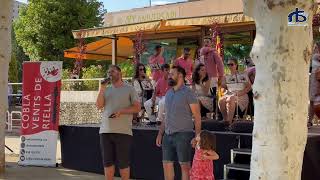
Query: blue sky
[117, 5]
[24, 1]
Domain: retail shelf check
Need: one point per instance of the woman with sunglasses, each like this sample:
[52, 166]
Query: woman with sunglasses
[142, 84]
[236, 86]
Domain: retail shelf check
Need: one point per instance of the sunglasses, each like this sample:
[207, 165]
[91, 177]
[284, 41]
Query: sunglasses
[142, 69]
[230, 64]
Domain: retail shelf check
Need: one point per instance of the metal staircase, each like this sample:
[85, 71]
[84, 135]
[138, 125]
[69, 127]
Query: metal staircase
[237, 166]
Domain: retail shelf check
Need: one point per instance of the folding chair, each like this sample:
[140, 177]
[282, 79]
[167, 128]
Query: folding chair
[146, 95]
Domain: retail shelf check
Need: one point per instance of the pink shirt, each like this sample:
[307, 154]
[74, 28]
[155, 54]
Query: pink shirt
[201, 168]
[251, 70]
[155, 63]
[212, 61]
[162, 87]
[187, 65]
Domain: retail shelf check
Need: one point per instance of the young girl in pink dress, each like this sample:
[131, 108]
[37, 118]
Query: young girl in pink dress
[202, 165]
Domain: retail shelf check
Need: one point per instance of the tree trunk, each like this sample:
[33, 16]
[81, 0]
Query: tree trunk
[281, 54]
[5, 56]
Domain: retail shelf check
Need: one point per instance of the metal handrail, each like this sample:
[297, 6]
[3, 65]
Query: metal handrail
[14, 119]
[9, 122]
[14, 94]
[95, 79]
[10, 119]
[70, 80]
[15, 83]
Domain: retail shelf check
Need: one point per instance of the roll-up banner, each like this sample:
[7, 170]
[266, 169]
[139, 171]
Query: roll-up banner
[40, 113]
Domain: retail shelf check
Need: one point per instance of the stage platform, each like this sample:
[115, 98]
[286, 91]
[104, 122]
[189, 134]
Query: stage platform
[314, 131]
[81, 150]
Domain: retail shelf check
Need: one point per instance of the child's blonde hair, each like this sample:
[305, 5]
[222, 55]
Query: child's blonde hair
[207, 140]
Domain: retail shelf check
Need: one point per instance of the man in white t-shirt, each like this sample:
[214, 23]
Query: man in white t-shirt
[119, 102]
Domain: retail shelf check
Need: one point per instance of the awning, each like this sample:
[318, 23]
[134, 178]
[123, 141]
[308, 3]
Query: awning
[169, 25]
[108, 31]
[208, 20]
[102, 50]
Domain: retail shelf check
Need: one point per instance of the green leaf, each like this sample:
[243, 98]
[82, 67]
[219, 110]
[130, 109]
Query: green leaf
[44, 28]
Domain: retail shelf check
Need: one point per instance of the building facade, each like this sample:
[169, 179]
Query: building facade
[16, 7]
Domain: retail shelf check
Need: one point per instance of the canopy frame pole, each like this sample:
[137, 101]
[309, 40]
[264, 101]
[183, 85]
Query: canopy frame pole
[114, 49]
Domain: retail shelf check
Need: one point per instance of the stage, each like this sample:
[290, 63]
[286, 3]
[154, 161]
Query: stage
[80, 150]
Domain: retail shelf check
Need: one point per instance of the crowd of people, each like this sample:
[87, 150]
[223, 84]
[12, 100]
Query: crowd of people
[183, 93]
[205, 76]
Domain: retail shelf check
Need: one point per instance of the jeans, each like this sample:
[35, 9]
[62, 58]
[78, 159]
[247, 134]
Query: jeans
[177, 145]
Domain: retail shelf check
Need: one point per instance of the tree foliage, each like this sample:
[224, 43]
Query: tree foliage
[128, 69]
[19, 57]
[44, 28]
[91, 73]
[238, 51]
[13, 70]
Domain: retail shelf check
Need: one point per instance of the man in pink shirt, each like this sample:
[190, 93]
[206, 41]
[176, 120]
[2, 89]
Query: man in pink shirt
[212, 60]
[250, 70]
[186, 63]
[155, 62]
[158, 97]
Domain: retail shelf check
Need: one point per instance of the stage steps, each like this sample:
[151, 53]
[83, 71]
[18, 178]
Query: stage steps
[241, 151]
[237, 166]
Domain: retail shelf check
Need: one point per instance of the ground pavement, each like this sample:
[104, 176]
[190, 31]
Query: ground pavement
[15, 172]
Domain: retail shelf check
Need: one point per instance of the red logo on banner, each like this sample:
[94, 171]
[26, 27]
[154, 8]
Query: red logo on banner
[41, 97]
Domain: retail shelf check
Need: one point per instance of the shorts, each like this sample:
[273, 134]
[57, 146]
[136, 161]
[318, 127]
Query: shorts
[115, 149]
[177, 146]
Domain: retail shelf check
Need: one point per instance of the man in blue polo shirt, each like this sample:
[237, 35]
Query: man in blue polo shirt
[176, 131]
